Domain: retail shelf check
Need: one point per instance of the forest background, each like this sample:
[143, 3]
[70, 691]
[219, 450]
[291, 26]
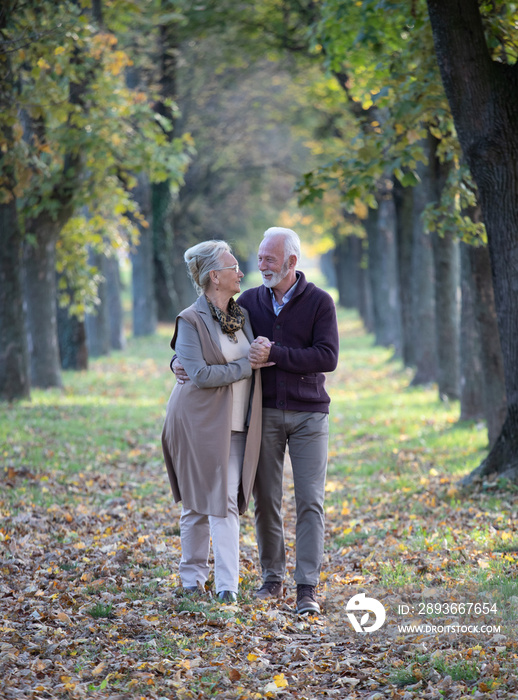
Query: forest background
[381, 131]
[386, 134]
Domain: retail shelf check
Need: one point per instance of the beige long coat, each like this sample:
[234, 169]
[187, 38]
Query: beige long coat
[197, 428]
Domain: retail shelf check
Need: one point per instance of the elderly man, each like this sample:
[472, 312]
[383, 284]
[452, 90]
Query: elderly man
[296, 332]
[299, 321]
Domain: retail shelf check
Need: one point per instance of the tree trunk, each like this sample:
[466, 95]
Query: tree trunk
[404, 202]
[380, 227]
[346, 265]
[98, 323]
[114, 303]
[491, 352]
[73, 350]
[425, 339]
[446, 275]
[14, 357]
[326, 267]
[14, 362]
[167, 301]
[40, 295]
[483, 96]
[365, 300]
[471, 375]
[144, 304]
[446, 267]
[390, 279]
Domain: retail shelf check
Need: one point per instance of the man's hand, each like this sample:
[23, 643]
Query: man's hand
[259, 353]
[179, 372]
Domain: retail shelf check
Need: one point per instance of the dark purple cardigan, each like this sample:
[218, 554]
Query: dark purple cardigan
[305, 337]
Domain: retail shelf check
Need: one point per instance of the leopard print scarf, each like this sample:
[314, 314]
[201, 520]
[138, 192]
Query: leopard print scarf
[230, 323]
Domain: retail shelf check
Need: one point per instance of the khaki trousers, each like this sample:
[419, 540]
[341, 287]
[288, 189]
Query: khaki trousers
[197, 529]
[306, 434]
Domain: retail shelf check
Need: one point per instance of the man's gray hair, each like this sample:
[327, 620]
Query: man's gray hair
[201, 259]
[291, 240]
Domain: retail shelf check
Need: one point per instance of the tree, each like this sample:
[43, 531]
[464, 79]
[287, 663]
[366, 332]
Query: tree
[14, 367]
[75, 137]
[482, 90]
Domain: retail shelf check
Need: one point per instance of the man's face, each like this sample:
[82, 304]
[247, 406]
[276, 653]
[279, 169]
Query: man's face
[271, 263]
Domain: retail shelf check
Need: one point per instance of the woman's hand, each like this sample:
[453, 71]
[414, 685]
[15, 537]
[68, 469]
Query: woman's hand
[179, 372]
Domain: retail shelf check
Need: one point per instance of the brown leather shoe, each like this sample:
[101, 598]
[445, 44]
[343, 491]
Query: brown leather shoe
[306, 600]
[270, 589]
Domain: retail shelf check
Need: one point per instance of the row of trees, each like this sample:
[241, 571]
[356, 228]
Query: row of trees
[434, 160]
[174, 122]
[125, 128]
[81, 122]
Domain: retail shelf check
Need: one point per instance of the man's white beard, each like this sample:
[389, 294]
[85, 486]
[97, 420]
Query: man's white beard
[276, 276]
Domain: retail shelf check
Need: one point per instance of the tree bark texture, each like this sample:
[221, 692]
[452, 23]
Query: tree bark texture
[471, 375]
[404, 203]
[483, 97]
[40, 294]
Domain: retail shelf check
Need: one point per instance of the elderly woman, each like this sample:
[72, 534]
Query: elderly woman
[212, 431]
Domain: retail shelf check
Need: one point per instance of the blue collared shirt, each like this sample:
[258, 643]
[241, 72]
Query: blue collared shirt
[285, 299]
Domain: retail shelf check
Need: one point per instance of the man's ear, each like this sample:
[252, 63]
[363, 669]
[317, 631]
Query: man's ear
[292, 261]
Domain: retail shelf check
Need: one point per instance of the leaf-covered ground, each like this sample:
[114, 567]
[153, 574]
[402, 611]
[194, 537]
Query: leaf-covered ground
[90, 600]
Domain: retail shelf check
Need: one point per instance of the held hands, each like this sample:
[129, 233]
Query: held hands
[260, 352]
[258, 355]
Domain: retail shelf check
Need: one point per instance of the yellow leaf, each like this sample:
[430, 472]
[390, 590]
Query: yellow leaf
[59, 50]
[251, 657]
[280, 681]
[99, 669]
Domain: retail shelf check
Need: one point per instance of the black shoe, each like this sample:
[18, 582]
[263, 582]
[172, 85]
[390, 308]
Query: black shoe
[306, 600]
[227, 597]
[269, 589]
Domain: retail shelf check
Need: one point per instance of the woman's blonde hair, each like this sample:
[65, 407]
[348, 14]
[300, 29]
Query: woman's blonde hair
[201, 259]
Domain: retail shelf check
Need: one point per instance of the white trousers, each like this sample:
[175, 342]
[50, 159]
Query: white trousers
[197, 529]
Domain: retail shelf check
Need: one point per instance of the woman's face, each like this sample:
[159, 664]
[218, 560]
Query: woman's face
[228, 280]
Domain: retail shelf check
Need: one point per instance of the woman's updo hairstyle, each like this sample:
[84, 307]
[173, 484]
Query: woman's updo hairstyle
[201, 259]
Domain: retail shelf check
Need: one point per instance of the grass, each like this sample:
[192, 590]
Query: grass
[101, 610]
